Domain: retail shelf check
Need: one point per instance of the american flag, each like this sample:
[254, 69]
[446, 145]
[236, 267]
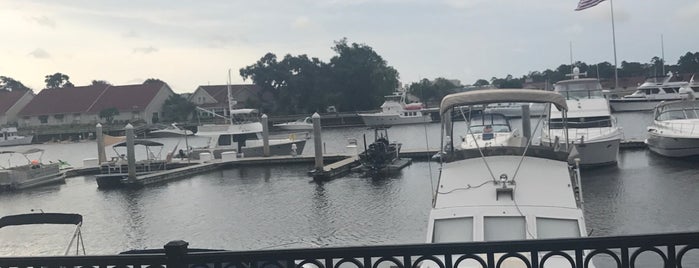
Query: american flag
[585, 4]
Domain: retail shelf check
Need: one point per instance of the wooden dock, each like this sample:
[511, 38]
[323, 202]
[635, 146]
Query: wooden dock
[336, 169]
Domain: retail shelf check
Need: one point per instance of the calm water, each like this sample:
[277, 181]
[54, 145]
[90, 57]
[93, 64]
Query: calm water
[253, 208]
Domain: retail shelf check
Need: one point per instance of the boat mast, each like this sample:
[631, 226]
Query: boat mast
[231, 101]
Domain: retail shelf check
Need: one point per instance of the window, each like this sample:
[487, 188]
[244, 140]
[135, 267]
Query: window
[670, 90]
[453, 230]
[224, 140]
[504, 228]
[136, 115]
[76, 117]
[556, 228]
[583, 122]
[655, 90]
[44, 119]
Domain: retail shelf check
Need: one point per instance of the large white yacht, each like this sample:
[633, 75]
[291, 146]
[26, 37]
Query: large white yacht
[513, 192]
[394, 111]
[675, 129]
[591, 126]
[650, 93]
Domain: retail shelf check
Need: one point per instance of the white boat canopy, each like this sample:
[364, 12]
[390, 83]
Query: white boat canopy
[486, 96]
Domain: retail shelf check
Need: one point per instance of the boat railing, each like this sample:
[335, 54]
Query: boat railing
[685, 128]
[670, 250]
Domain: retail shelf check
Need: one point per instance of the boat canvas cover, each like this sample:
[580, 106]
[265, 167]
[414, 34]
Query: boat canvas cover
[41, 218]
[502, 95]
[139, 142]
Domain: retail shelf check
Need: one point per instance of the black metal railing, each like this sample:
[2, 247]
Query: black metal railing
[621, 251]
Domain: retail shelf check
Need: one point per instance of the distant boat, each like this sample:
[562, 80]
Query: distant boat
[675, 129]
[115, 171]
[301, 124]
[33, 174]
[50, 218]
[394, 111]
[649, 94]
[378, 155]
[490, 130]
[170, 131]
[9, 137]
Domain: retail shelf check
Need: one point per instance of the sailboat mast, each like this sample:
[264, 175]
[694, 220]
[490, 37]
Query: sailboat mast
[231, 101]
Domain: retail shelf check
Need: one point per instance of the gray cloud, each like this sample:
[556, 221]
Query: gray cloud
[40, 53]
[44, 21]
[145, 50]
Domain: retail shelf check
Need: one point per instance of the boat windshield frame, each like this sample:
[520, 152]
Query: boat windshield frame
[572, 89]
[687, 108]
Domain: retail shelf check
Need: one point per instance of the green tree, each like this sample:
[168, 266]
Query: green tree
[688, 63]
[432, 91]
[108, 114]
[57, 80]
[7, 83]
[177, 109]
[152, 80]
[100, 83]
[481, 82]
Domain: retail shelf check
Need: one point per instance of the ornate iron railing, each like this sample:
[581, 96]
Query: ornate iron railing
[577, 253]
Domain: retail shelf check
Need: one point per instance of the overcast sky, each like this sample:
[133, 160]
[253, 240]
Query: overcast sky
[191, 43]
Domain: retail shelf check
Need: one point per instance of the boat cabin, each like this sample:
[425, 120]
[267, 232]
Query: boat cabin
[677, 110]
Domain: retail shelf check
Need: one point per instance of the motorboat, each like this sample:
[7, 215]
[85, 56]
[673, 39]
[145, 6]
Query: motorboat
[50, 218]
[675, 129]
[395, 111]
[497, 193]
[115, 171]
[32, 174]
[380, 154]
[590, 124]
[301, 124]
[514, 110]
[489, 129]
[9, 137]
[244, 137]
[651, 93]
[170, 131]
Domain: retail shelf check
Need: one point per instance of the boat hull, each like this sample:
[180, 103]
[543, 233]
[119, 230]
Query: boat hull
[673, 146]
[598, 152]
[630, 105]
[257, 150]
[373, 120]
[15, 142]
[293, 127]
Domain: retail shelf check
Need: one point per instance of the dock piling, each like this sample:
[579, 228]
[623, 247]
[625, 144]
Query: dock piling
[101, 154]
[265, 135]
[526, 122]
[317, 142]
[130, 152]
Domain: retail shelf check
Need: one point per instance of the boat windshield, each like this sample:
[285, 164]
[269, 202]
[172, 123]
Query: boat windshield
[647, 91]
[582, 122]
[489, 123]
[675, 114]
[500, 228]
[589, 89]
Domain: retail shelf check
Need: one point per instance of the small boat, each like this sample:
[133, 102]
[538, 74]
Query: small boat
[675, 129]
[244, 136]
[50, 218]
[590, 124]
[649, 94]
[114, 172]
[301, 124]
[33, 174]
[381, 154]
[170, 131]
[503, 193]
[394, 111]
[490, 129]
[9, 137]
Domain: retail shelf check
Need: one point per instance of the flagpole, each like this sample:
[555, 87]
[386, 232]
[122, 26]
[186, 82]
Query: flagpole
[616, 71]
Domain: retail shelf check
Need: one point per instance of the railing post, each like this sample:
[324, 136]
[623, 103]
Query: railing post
[175, 252]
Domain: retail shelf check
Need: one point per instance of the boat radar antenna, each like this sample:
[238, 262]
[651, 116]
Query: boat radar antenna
[231, 101]
[576, 73]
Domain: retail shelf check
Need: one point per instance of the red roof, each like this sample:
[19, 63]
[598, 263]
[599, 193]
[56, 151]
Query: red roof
[127, 98]
[9, 98]
[63, 100]
[220, 92]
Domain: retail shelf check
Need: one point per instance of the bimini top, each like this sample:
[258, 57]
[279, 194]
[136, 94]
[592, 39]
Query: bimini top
[41, 218]
[139, 142]
[486, 96]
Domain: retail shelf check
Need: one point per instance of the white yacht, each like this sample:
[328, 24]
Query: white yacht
[497, 193]
[9, 137]
[301, 124]
[394, 111]
[650, 93]
[675, 129]
[513, 110]
[170, 131]
[591, 126]
[244, 136]
[489, 129]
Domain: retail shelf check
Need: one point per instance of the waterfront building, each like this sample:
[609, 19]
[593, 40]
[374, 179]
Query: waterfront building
[82, 105]
[11, 102]
[215, 98]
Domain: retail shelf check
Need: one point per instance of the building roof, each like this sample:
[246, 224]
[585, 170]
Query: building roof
[63, 100]
[92, 99]
[126, 98]
[9, 98]
[220, 92]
